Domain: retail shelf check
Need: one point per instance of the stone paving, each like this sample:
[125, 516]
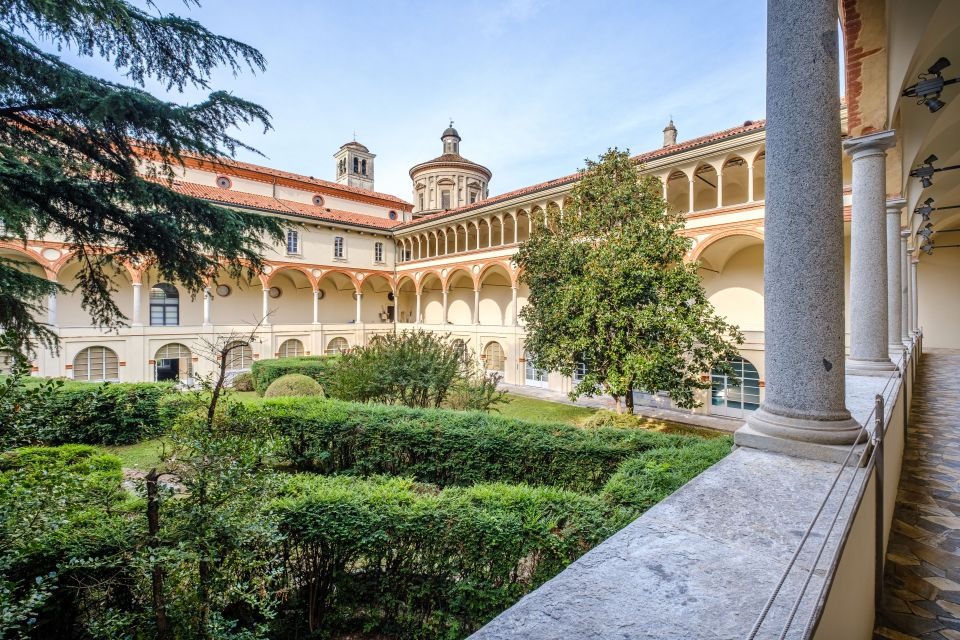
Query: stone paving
[922, 581]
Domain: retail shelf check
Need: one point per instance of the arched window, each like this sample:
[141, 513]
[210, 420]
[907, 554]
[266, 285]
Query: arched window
[174, 362]
[337, 345]
[363, 167]
[7, 361]
[96, 364]
[291, 348]
[356, 165]
[493, 359]
[164, 305]
[729, 397]
[240, 357]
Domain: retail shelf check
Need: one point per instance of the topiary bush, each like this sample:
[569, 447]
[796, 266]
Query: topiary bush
[391, 556]
[242, 382]
[449, 447]
[264, 372]
[294, 384]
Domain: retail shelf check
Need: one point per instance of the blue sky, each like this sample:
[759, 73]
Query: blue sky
[534, 86]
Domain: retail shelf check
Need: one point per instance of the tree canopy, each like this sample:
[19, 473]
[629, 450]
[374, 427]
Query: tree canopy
[609, 289]
[72, 150]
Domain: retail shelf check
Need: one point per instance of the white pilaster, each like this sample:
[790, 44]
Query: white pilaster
[513, 307]
[914, 296]
[52, 308]
[476, 306]
[137, 319]
[416, 317]
[894, 285]
[316, 306]
[359, 306]
[207, 304]
[905, 287]
[265, 311]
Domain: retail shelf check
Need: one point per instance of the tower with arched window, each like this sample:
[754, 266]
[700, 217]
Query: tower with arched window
[449, 181]
[355, 165]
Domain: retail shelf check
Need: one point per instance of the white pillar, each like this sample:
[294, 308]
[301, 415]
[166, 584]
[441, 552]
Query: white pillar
[804, 411]
[316, 306]
[750, 180]
[137, 319]
[908, 290]
[513, 313]
[443, 316]
[691, 194]
[266, 306]
[719, 189]
[904, 287]
[207, 303]
[52, 306]
[359, 306]
[869, 346]
[914, 295]
[476, 306]
[894, 283]
[516, 228]
[416, 318]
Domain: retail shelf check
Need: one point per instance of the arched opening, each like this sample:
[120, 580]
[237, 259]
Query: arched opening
[164, 305]
[735, 181]
[732, 271]
[678, 192]
[496, 230]
[738, 396]
[483, 234]
[473, 236]
[495, 296]
[760, 176]
[460, 297]
[377, 305]
[523, 226]
[509, 229]
[406, 303]
[96, 364]
[537, 219]
[494, 358]
[235, 300]
[240, 357]
[337, 345]
[431, 299]
[291, 297]
[336, 303]
[704, 188]
[173, 362]
[27, 264]
[291, 348]
[70, 311]
[431, 244]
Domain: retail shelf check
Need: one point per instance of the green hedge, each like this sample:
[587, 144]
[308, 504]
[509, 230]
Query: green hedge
[409, 561]
[266, 371]
[449, 447]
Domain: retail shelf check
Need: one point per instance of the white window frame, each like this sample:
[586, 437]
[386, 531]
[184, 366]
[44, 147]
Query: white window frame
[293, 243]
[378, 252]
[339, 248]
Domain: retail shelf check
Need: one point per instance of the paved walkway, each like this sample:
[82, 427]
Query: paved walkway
[922, 581]
[606, 402]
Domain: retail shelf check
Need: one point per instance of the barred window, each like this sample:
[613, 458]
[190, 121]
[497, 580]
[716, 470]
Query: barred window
[96, 364]
[291, 348]
[337, 345]
[338, 247]
[293, 241]
[378, 252]
[493, 357]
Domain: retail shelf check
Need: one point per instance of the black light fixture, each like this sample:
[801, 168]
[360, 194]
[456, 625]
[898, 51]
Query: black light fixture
[928, 248]
[926, 170]
[926, 231]
[926, 209]
[927, 91]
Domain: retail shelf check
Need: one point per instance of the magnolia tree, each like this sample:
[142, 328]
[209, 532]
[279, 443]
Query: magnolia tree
[610, 292]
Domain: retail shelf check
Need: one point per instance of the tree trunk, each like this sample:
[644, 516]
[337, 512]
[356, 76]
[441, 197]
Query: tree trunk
[156, 571]
[616, 403]
[628, 397]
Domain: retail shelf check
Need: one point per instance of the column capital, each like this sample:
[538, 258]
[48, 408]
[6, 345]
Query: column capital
[895, 206]
[905, 233]
[870, 144]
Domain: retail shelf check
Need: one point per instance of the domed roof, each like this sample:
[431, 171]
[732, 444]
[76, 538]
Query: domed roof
[356, 145]
[450, 131]
[451, 160]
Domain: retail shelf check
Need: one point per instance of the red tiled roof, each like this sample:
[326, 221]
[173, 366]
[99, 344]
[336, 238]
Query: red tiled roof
[755, 125]
[450, 159]
[278, 205]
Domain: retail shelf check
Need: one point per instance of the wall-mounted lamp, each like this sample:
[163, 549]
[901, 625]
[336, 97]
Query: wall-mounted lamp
[927, 208]
[926, 231]
[928, 248]
[925, 171]
[927, 91]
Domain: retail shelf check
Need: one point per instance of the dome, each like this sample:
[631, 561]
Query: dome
[450, 131]
[356, 145]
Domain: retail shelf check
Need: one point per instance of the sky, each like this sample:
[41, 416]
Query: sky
[533, 86]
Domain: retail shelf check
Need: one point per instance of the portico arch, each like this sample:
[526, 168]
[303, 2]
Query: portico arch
[377, 305]
[731, 265]
[336, 304]
[460, 297]
[495, 295]
[431, 298]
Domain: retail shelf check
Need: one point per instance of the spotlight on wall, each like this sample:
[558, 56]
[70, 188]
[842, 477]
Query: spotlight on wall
[926, 209]
[926, 231]
[927, 91]
[928, 248]
[926, 170]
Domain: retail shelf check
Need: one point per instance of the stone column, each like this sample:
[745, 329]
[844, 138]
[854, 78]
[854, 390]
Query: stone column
[904, 287]
[52, 307]
[914, 296]
[137, 319]
[750, 179]
[719, 189]
[894, 284]
[316, 306]
[513, 313]
[869, 345]
[476, 306]
[416, 318]
[359, 306]
[266, 306]
[691, 194]
[804, 408]
[207, 303]
[443, 316]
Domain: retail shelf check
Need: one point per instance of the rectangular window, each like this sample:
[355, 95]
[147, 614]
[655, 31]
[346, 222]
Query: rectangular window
[293, 241]
[338, 252]
[473, 197]
[421, 202]
[378, 252]
[580, 372]
[444, 199]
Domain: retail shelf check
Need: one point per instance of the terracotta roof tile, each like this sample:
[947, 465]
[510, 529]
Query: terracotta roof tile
[755, 125]
[278, 205]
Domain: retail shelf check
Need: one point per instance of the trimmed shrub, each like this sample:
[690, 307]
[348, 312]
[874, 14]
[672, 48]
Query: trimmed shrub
[643, 481]
[450, 447]
[243, 381]
[294, 384]
[265, 372]
[410, 561]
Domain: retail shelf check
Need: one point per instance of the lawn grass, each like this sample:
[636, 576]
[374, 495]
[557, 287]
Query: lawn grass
[536, 410]
[142, 456]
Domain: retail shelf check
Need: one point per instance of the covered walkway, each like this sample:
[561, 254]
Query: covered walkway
[922, 581]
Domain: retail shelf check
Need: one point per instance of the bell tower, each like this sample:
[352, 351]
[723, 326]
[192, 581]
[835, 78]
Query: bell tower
[355, 165]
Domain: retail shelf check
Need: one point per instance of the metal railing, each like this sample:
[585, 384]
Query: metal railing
[868, 456]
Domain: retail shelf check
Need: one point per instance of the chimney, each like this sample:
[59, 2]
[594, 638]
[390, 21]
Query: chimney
[669, 134]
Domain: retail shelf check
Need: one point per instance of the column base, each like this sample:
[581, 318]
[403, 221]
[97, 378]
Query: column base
[858, 367]
[826, 440]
